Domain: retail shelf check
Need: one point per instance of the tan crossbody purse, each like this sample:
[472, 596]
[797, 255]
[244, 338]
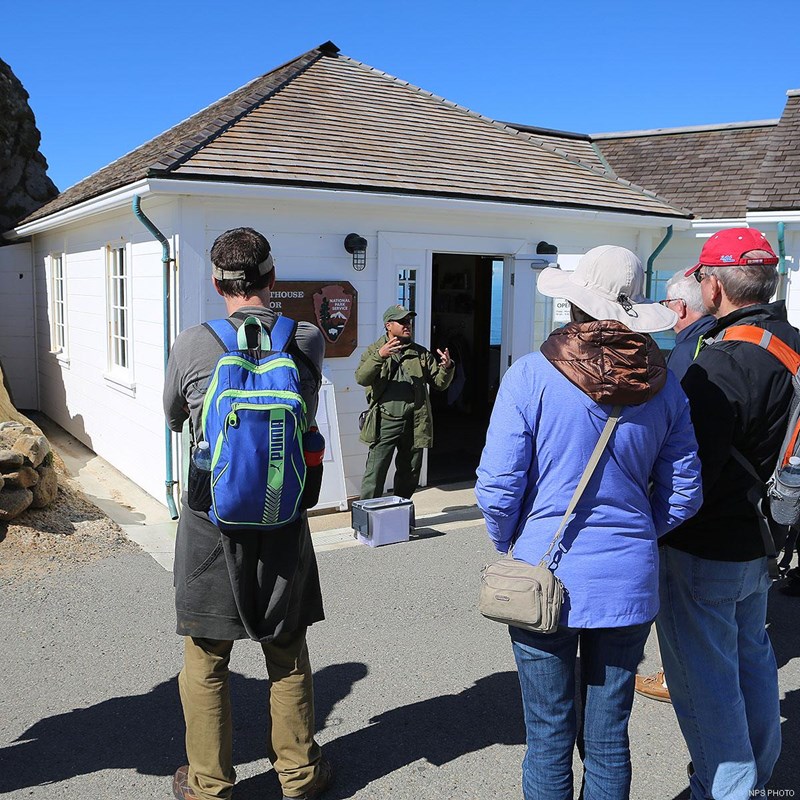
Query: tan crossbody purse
[517, 593]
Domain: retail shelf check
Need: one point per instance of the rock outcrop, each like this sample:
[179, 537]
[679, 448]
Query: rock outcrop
[27, 476]
[24, 185]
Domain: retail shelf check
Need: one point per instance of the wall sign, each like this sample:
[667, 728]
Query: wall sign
[330, 305]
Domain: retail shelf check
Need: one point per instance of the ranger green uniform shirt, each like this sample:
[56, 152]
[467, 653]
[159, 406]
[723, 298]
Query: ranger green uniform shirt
[414, 364]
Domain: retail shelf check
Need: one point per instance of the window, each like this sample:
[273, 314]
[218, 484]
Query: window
[407, 288]
[58, 313]
[119, 334]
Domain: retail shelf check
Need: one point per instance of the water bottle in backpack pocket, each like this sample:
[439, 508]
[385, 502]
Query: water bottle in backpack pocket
[199, 484]
[254, 418]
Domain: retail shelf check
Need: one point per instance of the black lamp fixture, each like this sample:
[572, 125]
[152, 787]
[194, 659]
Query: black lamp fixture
[357, 246]
[545, 249]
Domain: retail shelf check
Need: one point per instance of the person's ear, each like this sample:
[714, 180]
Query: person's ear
[216, 286]
[271, 281]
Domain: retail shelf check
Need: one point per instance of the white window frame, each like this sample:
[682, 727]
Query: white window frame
[119, 321]
[58, 307]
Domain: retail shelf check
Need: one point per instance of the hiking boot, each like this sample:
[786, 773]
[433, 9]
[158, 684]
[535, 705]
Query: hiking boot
[180, 784]
[322, 780]
[653, 686]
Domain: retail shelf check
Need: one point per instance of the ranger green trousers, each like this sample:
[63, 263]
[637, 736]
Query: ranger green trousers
[205, 695]
[393, 434]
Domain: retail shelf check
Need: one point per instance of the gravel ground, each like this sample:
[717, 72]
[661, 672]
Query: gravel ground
[69, 532]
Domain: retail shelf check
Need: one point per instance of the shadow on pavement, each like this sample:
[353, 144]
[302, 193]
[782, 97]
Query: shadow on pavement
[438, 731]
[145, 733]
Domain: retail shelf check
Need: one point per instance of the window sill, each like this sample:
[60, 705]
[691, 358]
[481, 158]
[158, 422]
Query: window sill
[120, 384]
[61, 357]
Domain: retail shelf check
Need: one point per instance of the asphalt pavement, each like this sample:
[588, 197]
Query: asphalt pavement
[417, 697]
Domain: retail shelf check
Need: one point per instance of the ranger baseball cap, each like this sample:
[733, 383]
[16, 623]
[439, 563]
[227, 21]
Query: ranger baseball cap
[727, 249]
[396, 313]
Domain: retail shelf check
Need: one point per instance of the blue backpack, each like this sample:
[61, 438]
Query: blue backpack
[254, 418]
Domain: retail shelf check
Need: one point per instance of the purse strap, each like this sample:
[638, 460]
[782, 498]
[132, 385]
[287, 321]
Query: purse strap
[588, 471]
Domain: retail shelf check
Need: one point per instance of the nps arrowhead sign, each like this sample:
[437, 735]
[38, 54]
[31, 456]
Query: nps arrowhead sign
[330, 305]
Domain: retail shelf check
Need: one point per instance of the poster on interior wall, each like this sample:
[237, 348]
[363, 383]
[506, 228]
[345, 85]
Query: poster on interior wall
[330, 305]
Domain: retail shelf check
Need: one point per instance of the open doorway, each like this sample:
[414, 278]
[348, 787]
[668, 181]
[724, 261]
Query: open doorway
[467, 317]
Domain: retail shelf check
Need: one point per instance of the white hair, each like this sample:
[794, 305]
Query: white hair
[688, 290]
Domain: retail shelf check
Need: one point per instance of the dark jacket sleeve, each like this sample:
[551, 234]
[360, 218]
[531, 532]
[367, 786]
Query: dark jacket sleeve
[435, 374]
[370, 366]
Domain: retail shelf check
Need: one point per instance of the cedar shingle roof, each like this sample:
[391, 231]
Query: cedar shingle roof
[326, 120]
[709, 169]
[778, 182]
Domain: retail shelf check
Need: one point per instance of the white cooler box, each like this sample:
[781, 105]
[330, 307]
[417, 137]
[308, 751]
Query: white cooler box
[382, 520]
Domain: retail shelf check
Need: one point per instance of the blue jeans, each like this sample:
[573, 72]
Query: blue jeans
[721, 671]
[546, 666]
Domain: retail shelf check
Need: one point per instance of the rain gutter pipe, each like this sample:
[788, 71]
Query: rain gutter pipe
[167, 260]
[653, 256]
[782, 271]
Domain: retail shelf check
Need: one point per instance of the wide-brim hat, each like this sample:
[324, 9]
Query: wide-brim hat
[608, 283]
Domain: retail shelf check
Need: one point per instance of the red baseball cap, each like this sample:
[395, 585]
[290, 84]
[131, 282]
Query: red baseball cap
[727, 248]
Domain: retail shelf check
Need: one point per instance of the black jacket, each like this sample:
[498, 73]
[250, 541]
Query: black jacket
[739, 396]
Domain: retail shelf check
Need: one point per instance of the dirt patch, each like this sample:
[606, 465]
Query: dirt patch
[69, 532]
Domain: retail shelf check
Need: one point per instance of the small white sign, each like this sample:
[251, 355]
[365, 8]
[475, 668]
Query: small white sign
[560, 311]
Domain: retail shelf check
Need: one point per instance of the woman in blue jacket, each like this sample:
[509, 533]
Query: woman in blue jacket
[549, 413]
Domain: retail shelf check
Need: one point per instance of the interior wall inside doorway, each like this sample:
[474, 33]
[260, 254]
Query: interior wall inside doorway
[466, 317]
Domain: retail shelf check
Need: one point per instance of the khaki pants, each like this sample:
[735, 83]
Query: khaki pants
[205, 695]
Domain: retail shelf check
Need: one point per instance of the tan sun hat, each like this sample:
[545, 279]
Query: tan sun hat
[608, 283]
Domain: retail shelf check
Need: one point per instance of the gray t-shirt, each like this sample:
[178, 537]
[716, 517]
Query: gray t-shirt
[195, 354]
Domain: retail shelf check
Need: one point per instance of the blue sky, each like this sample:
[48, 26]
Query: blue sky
[104, 77]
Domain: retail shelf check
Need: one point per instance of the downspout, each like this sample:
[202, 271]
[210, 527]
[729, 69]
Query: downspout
[650, 261]
[783, 273]
[166, 260]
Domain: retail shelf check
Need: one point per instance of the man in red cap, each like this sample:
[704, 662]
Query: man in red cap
[714, 580]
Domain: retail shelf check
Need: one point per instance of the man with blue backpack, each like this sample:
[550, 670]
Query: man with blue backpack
[244, 561]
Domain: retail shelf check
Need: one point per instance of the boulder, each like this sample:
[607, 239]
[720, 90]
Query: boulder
[24, 478]
[46, 489]
[10, 460]
[10, 425]
[34, 448]
[13, 502]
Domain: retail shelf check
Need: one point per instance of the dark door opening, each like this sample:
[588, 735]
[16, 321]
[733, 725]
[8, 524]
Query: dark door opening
[466, 316]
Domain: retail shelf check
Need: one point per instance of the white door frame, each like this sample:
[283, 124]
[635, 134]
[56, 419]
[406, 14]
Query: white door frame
[398, 250]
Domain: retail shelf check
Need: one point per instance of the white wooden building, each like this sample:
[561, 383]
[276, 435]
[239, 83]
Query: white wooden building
[319, 148]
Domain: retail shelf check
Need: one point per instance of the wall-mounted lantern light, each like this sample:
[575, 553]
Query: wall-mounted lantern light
[541, 258]
[357, 246]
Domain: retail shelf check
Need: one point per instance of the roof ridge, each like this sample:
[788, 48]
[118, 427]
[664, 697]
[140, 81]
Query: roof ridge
[758, 123]
[516, 132]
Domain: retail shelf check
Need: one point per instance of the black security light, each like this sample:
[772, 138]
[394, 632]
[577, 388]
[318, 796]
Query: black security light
[357, 246]
[545, 249]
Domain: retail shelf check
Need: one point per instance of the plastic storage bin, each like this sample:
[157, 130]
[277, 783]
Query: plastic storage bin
[382, 520]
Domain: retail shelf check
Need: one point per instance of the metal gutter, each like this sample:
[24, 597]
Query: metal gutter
[167, 260]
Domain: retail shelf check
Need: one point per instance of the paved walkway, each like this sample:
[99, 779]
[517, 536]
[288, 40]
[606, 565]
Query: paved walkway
[147, 522]
[417, 695]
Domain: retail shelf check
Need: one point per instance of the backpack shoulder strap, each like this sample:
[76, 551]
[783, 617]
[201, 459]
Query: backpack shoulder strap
[282, 333]
[766, 340]
[224, 331]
